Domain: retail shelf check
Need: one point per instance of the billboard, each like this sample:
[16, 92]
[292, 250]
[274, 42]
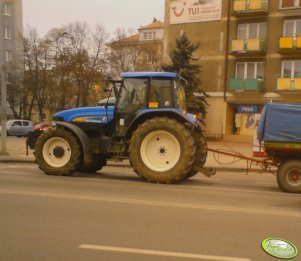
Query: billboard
[193, 11]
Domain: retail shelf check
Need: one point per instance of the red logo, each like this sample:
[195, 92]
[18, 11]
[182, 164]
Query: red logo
[176, 13]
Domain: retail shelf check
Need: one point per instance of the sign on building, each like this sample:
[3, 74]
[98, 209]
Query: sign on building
[193, 11]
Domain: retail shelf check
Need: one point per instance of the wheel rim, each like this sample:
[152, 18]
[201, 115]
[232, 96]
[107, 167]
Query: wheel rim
[294, 177]
[160, 151]
[56, 152]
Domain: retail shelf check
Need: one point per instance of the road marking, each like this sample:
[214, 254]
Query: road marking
[12, 166]
[160, 253]
[185, 205]
[265, 183]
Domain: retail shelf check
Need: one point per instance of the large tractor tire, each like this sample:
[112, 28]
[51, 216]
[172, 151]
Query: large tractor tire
[289, 176]
[58, 152]
[162, 150]
[201, 154]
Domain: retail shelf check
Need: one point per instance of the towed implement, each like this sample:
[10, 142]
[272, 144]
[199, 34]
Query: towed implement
[279, 131]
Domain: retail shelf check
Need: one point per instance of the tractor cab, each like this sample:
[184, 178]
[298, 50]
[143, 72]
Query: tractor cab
[147, 92]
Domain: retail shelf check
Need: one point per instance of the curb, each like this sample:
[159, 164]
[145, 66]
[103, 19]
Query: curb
[125, 165]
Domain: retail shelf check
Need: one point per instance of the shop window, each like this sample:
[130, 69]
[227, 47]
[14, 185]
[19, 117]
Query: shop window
[252, 31]
[291, 69]
[250, 70]
[290, 3]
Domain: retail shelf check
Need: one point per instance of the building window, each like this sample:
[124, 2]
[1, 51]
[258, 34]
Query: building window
[7, 33]
[9, 78]
[8, 56]
[7, 9]
[252, 31]
[292, 28]
[250, 70]
[149, 35]
[291, 69]
[290, 3]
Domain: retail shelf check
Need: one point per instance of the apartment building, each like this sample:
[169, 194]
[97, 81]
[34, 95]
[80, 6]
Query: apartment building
[11, 48]
[250, 53]
[141, 51]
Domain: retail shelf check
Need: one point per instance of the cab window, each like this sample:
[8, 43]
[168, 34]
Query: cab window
[160, 93]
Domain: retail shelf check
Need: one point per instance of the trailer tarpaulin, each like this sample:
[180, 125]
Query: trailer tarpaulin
[280, 123]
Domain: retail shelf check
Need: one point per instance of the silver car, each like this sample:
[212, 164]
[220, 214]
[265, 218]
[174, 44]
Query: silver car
[18, 127]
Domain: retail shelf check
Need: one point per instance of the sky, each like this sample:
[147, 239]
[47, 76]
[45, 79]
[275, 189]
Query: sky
[112, 14]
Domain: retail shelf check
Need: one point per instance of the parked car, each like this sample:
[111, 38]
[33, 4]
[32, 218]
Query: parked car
[18, 127]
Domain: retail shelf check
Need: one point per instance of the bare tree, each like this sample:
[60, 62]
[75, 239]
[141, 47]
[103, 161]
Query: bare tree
[119, 54]
[36, 61]
[64, 69]
[84, 59]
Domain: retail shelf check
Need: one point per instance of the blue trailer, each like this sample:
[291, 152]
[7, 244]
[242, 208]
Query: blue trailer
[280, 131]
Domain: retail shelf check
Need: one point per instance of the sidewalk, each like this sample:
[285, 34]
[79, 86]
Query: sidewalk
[17, 154]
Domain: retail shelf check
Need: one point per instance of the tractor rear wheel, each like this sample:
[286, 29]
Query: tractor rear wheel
[58, 152]
[162, 150]
[201, 154]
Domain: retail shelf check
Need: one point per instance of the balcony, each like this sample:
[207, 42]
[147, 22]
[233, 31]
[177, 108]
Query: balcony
[289, 44]
[244, 8]
[289, 84]
[244, 85]
[248, 46]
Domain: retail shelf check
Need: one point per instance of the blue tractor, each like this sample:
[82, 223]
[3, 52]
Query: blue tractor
[149, 125]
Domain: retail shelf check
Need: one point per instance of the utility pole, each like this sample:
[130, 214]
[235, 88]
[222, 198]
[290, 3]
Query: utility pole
[3, 113]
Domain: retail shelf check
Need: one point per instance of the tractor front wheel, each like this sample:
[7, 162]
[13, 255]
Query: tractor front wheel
[58, 152]
[162, 150]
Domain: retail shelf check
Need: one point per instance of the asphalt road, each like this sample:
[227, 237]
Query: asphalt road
[113, 215]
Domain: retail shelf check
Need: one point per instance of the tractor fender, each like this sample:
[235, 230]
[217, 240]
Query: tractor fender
[82, 137]
[151, 113]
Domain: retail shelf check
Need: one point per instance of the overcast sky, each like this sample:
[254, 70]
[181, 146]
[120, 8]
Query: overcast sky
[112, 14]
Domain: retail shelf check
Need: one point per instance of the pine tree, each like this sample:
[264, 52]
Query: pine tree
[184, 64]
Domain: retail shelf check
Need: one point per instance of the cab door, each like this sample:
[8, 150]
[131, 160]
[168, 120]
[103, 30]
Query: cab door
[132, 99]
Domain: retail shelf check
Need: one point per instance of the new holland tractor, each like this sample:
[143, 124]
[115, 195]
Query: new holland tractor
[149, 125]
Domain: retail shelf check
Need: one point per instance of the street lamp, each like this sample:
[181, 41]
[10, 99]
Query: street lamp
[3, 113]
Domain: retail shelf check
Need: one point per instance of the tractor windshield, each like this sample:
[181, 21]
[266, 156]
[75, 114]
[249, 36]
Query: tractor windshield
[132, 94]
